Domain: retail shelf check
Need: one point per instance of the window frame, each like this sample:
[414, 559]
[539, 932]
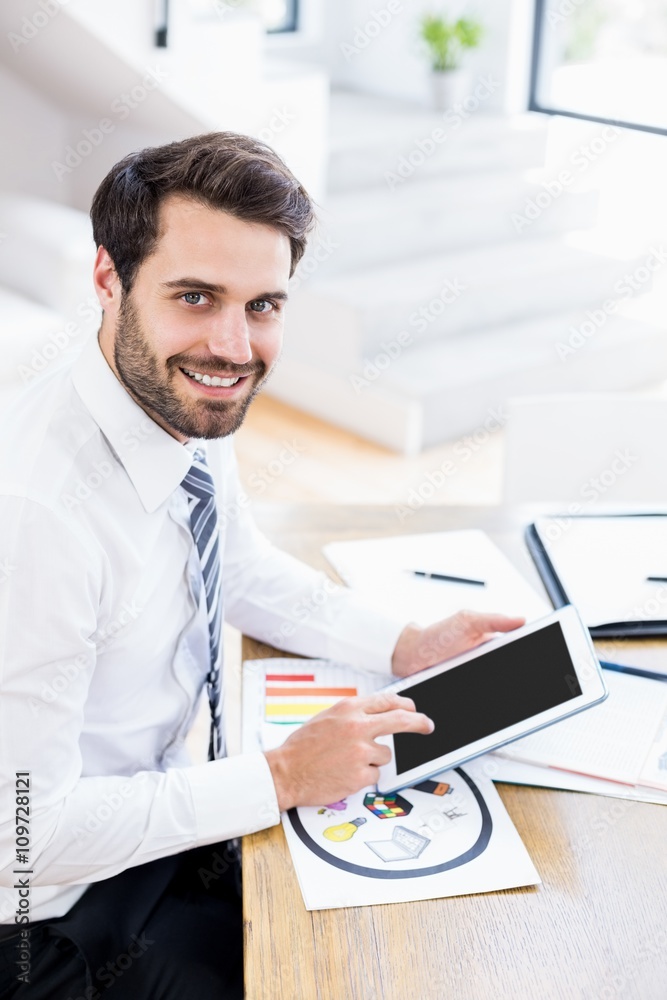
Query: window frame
[534, 103]
[290, 27]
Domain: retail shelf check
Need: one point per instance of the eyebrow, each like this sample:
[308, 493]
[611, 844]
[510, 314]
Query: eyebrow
[190, 284]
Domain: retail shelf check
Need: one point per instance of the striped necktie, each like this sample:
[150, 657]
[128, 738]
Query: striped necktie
[198, 484]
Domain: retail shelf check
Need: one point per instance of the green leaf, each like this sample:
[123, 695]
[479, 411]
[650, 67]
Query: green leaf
[446, 40]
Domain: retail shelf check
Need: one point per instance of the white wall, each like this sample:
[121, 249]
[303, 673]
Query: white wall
[74, 70]
[33, 134]
[373, 46]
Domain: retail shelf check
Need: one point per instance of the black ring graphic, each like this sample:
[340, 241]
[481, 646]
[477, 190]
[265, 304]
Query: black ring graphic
[477, 848]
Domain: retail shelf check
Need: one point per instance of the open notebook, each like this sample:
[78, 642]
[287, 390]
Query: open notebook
[623, 739]
[603, 565]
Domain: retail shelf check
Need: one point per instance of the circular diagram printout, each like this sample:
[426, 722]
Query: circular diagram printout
[433, 827]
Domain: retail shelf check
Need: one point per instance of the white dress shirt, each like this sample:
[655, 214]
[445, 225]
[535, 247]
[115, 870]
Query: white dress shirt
[104, 643]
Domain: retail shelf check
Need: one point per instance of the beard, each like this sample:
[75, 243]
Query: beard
[153, 384]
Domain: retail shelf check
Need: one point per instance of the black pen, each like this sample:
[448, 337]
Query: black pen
[657, 579]
[450, 579]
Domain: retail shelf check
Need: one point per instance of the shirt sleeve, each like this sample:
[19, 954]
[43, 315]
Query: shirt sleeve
[83, 827]
[277, 599]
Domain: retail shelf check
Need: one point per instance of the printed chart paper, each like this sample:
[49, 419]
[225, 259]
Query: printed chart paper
[450, 836]
[280, 694]
[446, 836]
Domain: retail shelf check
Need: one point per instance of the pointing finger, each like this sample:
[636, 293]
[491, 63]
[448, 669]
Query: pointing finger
[400, 721]
[386, 701]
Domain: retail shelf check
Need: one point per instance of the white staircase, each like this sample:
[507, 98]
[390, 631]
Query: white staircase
[428, 305]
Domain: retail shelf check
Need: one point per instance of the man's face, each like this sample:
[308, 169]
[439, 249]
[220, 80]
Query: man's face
[207, 307]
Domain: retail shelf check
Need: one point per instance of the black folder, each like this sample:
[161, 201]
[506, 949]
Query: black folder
[557, 592]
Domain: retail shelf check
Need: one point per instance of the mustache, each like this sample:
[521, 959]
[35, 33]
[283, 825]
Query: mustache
[217, 365]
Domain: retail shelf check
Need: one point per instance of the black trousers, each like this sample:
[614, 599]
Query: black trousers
[168, 930]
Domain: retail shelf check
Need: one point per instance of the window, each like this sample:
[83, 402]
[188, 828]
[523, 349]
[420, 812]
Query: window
[604, 60]
[280, 15]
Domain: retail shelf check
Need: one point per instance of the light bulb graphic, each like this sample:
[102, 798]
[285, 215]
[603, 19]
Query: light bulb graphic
[344, 831]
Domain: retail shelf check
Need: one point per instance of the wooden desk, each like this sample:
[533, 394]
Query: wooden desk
[596, 929]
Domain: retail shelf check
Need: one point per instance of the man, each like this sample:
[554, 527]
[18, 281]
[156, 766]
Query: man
[116, 570]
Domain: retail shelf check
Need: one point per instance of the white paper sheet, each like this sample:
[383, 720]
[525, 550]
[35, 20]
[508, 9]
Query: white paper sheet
[381, 568]
[516, 772]
[454, 839]
[457, 841]
[310, 678]
[619, 739]
[603, 564]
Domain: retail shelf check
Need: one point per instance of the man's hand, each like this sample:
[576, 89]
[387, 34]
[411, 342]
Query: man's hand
[336, 754]
[418, 648]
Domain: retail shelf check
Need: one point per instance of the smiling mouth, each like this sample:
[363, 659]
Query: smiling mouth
[213, 380]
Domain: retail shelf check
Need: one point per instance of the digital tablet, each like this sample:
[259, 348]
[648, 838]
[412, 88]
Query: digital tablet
[506, 688]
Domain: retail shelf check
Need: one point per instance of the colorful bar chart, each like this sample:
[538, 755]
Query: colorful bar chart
[296, 697]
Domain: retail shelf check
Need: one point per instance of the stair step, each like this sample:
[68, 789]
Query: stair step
[371, 137]
[432, 368]
[435, 215]
[459, 385]
[340, 320]
[456, 390]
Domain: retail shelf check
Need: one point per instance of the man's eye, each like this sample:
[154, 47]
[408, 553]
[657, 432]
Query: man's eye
[260, 306]
[194, 298]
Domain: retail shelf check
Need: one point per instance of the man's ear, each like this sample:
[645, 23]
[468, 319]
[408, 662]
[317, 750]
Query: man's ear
[106, 281]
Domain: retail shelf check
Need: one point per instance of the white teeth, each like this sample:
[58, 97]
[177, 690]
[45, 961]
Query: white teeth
[210, 380]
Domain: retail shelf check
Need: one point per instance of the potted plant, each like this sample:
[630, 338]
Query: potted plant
[446, 41]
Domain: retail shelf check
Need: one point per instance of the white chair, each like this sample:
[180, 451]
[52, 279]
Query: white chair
[605, 449]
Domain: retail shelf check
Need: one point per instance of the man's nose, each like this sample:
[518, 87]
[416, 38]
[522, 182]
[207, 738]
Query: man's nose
[231, 338]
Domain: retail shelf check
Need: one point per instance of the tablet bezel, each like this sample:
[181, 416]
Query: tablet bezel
[586, 668]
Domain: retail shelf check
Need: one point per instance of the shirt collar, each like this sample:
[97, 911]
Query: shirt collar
[154, 460]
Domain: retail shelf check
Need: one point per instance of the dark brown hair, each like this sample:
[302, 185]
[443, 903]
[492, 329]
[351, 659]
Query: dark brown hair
[232, 172]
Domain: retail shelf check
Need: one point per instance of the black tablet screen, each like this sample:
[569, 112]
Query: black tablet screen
[487, 694]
